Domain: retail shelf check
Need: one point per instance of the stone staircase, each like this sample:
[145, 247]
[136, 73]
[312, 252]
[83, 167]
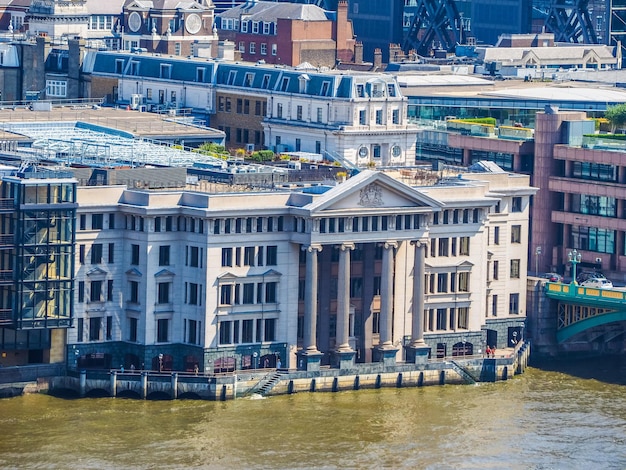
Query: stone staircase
[266, 383]
[465, 375]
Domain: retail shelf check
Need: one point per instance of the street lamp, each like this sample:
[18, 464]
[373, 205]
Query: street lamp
[463, 341]
[160, 362]
[574, 257]
[537, 253]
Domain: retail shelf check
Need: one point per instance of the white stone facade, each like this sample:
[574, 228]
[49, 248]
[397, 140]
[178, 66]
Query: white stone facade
[237, 279]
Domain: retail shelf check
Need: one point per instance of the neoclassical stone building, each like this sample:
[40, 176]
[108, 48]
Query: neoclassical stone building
[379, 267]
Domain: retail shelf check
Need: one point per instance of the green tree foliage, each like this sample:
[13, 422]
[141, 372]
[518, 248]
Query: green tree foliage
[211, 148]
[616, 116]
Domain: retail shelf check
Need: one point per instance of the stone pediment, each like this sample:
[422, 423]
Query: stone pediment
[138, 5]
[134, 272]
[164, 273]
[373, 191]
[96, 272]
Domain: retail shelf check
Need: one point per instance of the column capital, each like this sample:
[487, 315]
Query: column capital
[422, 242]
[347, 246]
[390, 244]
[312, 247]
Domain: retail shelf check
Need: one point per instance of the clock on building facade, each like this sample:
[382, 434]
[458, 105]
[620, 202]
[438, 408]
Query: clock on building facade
[193, 23]
[134, 21]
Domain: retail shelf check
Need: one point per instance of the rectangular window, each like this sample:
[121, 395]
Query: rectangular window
[194, 256]
[225, 332]
[248, 256]
[299, 113]
[379, 116]
[494, 306]
[193, 294]
[516, 234]
[132, 329]
[95, 325]
[226, 294]
[247, 331]
[163, 325]
[270, 329]
[163, 293]
[464, 246]
[57, 88]
[514, 304]
[248, 293]
[164, 255]
[227, 256]
[95, 294]
[463, 318]
[442, 314]
[81, 291]
[81, 254]
[271, 258]
[110, 290]
[464, 279]
[96, 253]
[263, 48]
[97, 221]
[443, 247]
[496, 269]
[442, 282]
[109, 328]
[515, 273]
[134, 292]
[496, 235]
[134, 256]
[270, 293]
[516, 205]
[111, 258]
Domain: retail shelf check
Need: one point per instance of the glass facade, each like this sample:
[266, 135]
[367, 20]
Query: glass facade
[42, 225]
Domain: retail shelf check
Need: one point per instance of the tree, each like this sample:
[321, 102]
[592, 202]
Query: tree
[616, 116]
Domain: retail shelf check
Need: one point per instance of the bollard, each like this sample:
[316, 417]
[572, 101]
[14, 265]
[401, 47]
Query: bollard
[174, 384]
[144, 385]
[113, 383]
[83, 383]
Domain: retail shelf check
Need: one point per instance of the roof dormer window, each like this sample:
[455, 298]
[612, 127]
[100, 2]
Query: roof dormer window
[302, 82]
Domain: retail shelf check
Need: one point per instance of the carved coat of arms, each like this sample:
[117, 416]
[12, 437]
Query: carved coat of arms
[371, 196]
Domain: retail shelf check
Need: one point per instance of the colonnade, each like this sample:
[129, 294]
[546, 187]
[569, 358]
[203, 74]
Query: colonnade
[310, 356]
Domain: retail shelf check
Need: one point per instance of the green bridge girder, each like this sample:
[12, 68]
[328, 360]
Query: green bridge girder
[583, 308]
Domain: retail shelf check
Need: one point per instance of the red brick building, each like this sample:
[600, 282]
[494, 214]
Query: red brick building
[170, 27]
[289, 34]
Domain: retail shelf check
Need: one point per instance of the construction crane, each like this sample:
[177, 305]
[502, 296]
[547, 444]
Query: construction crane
[569, 21]
[434, 20]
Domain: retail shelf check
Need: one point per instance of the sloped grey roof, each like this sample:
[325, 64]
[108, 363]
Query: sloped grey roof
[271, 11]
[108, 7]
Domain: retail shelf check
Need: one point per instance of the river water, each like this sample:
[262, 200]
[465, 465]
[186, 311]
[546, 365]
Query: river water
[554, 416]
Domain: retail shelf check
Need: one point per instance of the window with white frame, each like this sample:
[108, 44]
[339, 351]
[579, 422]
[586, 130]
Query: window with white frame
[263, 48]
[56, 88]
[274, 49]
[242, 46]
[253, 48]
[255, 27]
[266, 27]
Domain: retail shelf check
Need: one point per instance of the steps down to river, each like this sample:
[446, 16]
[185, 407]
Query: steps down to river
[465, 375]
[266, 383]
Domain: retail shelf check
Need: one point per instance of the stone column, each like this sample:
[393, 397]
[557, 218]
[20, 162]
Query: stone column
[386, 296]
[417, 351]
[344, 354]
[310, 356]
[417, 330]
[342, 340]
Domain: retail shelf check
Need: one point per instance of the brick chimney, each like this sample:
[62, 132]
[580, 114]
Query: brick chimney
[344, 34]
[358, 52]
[378, 59]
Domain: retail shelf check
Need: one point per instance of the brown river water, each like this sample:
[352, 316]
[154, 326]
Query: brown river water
[554, 416]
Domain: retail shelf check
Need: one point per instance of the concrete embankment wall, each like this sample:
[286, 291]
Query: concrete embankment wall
[146, 385]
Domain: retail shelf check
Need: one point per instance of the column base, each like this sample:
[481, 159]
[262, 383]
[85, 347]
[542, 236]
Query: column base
[417, 354]
[309, 361]
[386, 355]
[344, 359]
